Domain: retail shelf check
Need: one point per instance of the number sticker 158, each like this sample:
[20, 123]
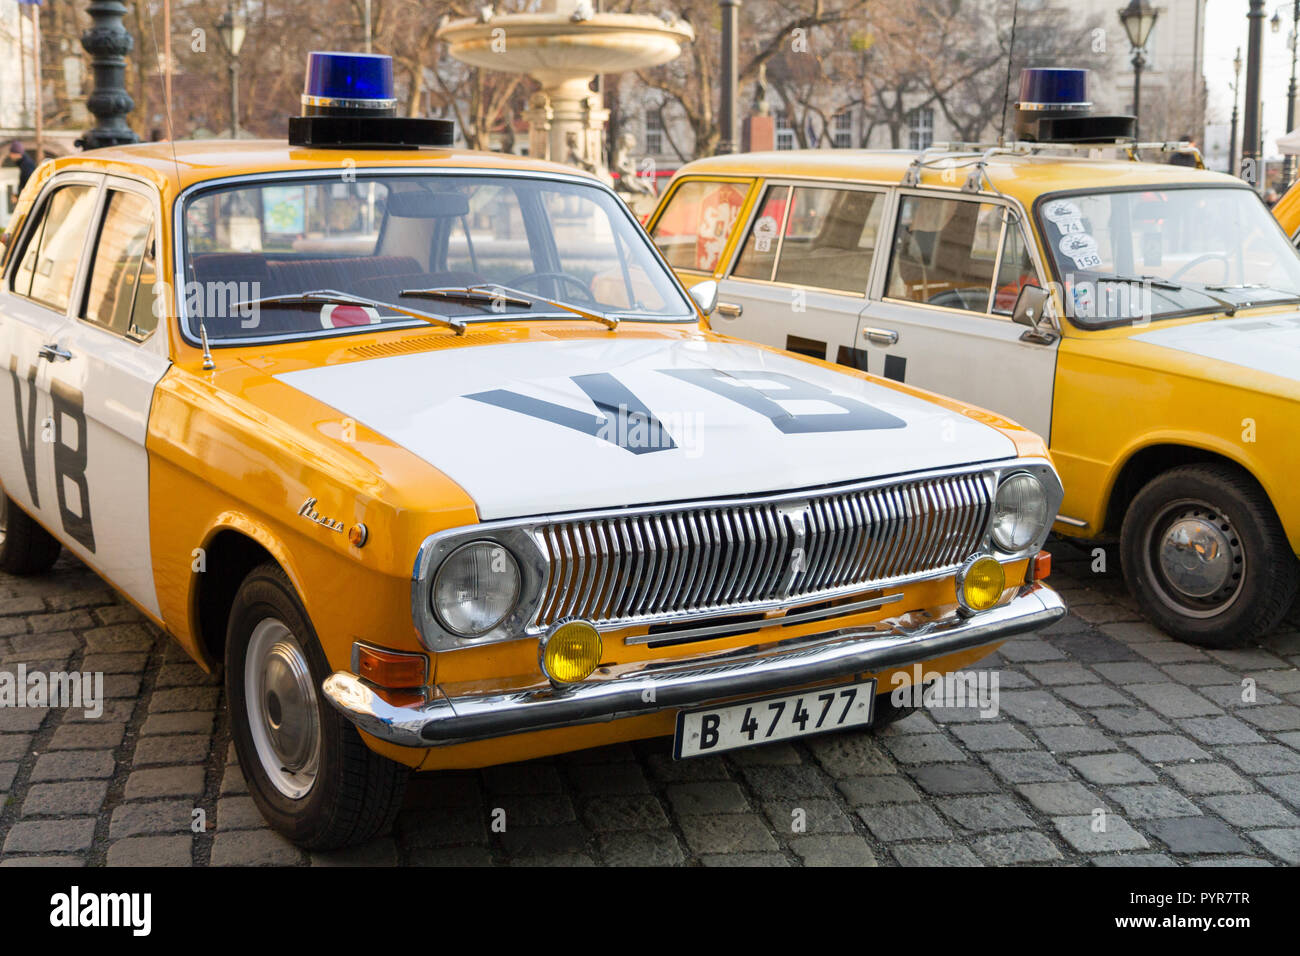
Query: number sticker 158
[752, 722]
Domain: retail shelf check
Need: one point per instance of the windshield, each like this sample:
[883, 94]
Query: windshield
[1155, 253]
[252, 250]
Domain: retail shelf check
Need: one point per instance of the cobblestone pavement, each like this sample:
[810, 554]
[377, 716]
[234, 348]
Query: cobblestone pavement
[1098, 713]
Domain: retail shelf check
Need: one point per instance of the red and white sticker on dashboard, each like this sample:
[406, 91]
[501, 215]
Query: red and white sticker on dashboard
[347, 316]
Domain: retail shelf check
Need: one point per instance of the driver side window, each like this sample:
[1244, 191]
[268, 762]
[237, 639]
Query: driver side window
[945, 253]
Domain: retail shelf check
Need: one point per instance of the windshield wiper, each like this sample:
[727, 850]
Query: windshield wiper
[493, 293]
[470, 296]
[334, 297]
[1229, 308]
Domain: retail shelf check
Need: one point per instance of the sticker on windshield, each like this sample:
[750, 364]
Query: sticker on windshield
[1059, 210]
[764, 233]
[1081, 248]
[1068, 226]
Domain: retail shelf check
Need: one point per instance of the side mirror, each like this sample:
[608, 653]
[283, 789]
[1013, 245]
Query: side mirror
[705, 295]
[1030, 306]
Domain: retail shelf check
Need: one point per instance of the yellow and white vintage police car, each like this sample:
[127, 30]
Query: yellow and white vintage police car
[428, 449]
[1141, 315]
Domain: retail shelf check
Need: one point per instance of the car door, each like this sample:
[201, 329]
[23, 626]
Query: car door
[800, 277]
[39, 284]
[940, 314]
[102, 388]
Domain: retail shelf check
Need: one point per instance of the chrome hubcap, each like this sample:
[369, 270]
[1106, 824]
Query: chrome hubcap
[1197, 557]
[283, 712]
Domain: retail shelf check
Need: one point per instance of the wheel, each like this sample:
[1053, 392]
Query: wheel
[1205, 556]
[557, 280]
[25, 547]
[307, 768]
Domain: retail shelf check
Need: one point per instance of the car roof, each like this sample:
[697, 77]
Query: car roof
[183, 163]
[1024, 176]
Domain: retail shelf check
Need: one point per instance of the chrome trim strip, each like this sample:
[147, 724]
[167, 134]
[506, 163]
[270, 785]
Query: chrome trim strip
[673, 685]
[1072, 522]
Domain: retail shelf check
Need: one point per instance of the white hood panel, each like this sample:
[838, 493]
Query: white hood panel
[1270, 344]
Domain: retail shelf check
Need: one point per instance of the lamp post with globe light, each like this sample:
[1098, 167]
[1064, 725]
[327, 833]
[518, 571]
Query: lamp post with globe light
[1138, 19]
[233, 26]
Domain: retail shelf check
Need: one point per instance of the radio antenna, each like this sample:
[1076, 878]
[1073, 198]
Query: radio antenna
[1006, 86]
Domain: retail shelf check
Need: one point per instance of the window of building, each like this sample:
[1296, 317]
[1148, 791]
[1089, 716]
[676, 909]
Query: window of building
[654, 132]
[842, 130]
[920, 128]
[784, 131]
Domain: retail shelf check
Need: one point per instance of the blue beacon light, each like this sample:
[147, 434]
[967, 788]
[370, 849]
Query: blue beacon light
[1054, 88]
[349, 84]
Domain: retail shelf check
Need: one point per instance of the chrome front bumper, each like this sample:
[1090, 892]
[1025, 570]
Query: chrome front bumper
[673, 685]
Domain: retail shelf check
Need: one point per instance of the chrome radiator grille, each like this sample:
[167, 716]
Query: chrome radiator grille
[647, 566]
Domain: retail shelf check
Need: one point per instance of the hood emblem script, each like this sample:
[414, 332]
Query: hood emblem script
[308, 511]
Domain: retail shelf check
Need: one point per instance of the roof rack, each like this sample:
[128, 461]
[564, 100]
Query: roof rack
[979, 155]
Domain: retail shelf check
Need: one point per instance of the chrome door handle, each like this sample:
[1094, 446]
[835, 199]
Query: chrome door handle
[52, 353]
[729, 309]
[880, 336]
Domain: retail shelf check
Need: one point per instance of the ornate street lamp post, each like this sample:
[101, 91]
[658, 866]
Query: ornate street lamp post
[108, 43]
[729, 114]
[1138, 19]
[1232, 139]
[1250, 139]
[1294, 41]
[232, 26]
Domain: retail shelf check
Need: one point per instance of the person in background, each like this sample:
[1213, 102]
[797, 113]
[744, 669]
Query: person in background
[18, 157]
[1184, 159]
[1271, 197]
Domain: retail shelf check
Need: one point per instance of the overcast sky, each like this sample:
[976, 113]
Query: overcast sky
[1225, 30]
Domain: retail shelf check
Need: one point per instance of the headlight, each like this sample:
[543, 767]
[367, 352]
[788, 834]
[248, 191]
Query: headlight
[475, 588]
[1019, 512]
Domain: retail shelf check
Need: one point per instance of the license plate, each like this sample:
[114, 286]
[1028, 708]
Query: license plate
[711, 730]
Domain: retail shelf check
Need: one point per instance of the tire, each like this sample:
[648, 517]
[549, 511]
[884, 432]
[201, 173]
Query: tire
[25, 547]
[306, 766]
[1245, 586]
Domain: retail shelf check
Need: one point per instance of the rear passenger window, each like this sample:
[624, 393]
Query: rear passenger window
[118, 296]
[49, 264]
[758, 257]
[1015, 270]
[830, 237]
[946, 253]
[694, 227]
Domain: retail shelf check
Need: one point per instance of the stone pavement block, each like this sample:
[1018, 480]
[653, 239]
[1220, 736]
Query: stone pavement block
[1252, 810]
[833, 851]
[157, 816]
[1152, 802]
[907, 821]
[1166, 748]
[1188, 835]
[1094, 648]
[1064, 740]
[991, 812]
[151, 851]
[1038, 708]
[727, 833]
[254, 848]
[1134, 859]
[1278, 717]
[1133, 633]
[1117, 835]
[621, 777]
[1130, 673]
[949, 779]
[232, 781]
[1092, 695]
[165, 782]
[623, 812]
[1220, 730]
[1034, 766]
[21, 719]
[73, 765]
[785, 783]
[1229, 696]
[1061, 673]
[1030, 649]
[15, 746]
[1198, 675]
[65, 799]
[171, 749]
[182, 699]
[118, 638]
[442, 825]
[239, 813]
[451, 856]
[43, 861]
[1286, 786]
[1264, 758]
[695, 770]
[850, 755]
[1061, 799]
[991, 736]
[722, 796]
[1202, 778]
[87, 736]
[127, 663]
[51, 836]
[8, 771]
[777, 754]
[1010, 849]
[641, 848]
[815, 817]
[178, 722]
[869, 791]
[1283, 843]
[1175, 700]
[928, 854]
[744, 859]
[1169, 652]
[923, 748]
[538, 809]
[1129, 720]
[1112, 768]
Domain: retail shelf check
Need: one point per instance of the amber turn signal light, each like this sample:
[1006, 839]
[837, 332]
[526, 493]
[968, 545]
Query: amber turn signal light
[390, 668]
[1039, 567]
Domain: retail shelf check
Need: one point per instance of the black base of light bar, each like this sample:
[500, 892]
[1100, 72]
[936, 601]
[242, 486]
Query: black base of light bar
[370, 132]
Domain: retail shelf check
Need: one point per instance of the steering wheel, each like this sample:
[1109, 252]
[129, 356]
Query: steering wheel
[557, 279]
[1205, 257]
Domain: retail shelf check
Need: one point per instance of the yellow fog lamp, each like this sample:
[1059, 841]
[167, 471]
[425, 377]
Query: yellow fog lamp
[570, 652]
[980, 583]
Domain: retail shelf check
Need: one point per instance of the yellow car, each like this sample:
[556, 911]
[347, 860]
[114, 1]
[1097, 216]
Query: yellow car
[1141, 315]
[428, 449]
[1287, 211]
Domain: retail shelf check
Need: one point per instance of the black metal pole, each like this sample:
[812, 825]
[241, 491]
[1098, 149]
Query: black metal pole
[108, 43]
[728, 113]
[1138, 63]
[1290, 90]
[1250, 142]
[234, 97]
[1232, 139]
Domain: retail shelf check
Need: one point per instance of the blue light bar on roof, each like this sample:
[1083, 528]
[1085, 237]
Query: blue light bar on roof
[1054, 89]
[356, 84]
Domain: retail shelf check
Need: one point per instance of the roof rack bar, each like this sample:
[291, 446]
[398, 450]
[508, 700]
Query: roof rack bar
[981, 153]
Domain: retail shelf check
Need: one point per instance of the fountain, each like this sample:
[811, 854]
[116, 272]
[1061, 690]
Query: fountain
[563, 45]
